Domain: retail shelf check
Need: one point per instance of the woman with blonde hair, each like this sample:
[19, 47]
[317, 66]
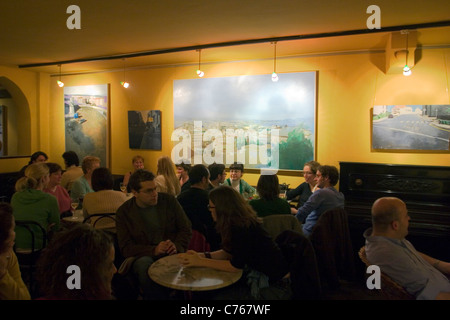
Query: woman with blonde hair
[30, 202]
[166, 179]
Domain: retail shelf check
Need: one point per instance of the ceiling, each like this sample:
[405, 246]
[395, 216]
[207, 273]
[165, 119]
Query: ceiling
[35, 32]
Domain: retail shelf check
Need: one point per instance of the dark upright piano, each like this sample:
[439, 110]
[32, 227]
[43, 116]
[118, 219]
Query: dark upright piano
[424, 189]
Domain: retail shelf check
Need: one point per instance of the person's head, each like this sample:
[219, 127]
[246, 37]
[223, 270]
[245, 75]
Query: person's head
[89, 164]
[236, 171]
[82, 246]
[138, 162]
[71, 159]
[143, 186]
[217, 172]
[165, 165]
[102, 179]
[390, 217]
[183, 168]
[268, 186]
[310, 170]
[326, 176]
[36, 177]
[229, 209]
[55, 172]
[7, 226]
[199, 175]
[38, 156]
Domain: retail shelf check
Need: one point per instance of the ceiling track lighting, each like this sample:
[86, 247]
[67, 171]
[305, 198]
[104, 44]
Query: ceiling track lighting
[200, 73]
[274, 74]
[124, 83]
[406, 69]
[59, 82]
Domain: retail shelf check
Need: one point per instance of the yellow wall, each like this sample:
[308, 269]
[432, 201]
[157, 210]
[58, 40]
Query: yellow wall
[348, 87]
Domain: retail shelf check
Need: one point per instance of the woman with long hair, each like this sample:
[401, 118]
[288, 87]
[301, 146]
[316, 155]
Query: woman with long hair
[30, 202]
[166, 179]
[11, 283]
[269, 201]
[246, 246]
[89, 253]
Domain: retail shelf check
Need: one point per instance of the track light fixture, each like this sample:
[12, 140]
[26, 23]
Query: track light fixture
[406, 68]
[59, 82]
[124, 83]
[274, 74]
[200, 73]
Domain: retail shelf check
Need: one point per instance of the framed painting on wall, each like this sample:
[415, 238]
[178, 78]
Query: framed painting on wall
[248, 119]
[420, 128]
[86, 113]
[144, 129]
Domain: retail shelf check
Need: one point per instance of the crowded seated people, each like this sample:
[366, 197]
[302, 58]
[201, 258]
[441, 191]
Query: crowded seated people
[236, 182]
[104, 199]
[149, 226]
[54, 188]
[306, 188]
[422, 276]
[324, 198]
[246, 246]
[73, 170]
[12, 286]
[138, 163]
[30, 202]
[217, 175]
[166, 179]
[38, 156]
[91, 251]
[195, 204]
[183, 168]
[83, 184]
[269, 201]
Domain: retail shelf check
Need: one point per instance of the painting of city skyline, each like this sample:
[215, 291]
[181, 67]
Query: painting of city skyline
[247, 119]
[424, 128]
[86, 121]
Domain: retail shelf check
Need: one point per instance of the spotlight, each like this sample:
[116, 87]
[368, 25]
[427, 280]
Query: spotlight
[59, 82]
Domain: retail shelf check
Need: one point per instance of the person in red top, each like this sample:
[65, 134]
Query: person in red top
[54, 188]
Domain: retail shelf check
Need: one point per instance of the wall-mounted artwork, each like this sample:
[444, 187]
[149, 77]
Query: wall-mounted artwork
[423, 128]
[144, 129]
[248, 119]
[86, 112]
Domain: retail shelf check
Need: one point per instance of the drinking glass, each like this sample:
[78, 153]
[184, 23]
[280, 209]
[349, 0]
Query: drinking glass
[123, 187]
[74, 204]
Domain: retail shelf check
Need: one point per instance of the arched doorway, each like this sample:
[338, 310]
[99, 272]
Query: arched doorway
[16, 122]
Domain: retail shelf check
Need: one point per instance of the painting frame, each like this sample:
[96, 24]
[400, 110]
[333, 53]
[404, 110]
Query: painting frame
[410, 128]
[144, 129]
[87, 121]
[289, 104]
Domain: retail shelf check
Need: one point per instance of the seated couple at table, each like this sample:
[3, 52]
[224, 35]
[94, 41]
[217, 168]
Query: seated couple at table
[142, 239]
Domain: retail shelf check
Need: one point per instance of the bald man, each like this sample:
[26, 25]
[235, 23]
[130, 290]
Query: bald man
[386, 246]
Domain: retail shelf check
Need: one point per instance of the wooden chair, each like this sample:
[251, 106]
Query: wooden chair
[389, 288]
[27, 257]
[102, 221]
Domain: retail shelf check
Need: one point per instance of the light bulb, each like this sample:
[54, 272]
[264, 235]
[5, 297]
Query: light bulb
[200, 73]
[60, 83]
[274, 77]
[124, 84]
[406, 70]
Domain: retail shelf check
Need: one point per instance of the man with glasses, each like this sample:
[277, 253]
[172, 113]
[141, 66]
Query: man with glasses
[149, 226]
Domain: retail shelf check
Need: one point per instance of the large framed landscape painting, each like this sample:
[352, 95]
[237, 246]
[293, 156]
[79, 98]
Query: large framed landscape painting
[86, 113]
[411, 128]
[247, 119]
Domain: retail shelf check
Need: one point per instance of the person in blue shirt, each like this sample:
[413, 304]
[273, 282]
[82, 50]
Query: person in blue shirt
[323, 199]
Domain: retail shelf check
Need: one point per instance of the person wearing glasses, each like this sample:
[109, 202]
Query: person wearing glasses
[149, 226]
[240, 185]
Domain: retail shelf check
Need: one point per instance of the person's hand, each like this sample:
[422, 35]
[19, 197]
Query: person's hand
[166, 247]
[189, 259]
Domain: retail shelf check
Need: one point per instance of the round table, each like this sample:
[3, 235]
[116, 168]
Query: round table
[169, 272]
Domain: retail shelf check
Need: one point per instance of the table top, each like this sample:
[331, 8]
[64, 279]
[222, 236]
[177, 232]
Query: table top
[169, 272]
[77, 217]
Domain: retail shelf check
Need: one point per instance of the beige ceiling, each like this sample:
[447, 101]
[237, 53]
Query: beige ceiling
[35, 31]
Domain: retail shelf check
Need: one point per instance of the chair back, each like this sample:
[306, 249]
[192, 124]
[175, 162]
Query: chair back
[275, 224]
[102, 220]
[198, 242]
[332, 243]
[389, 288]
